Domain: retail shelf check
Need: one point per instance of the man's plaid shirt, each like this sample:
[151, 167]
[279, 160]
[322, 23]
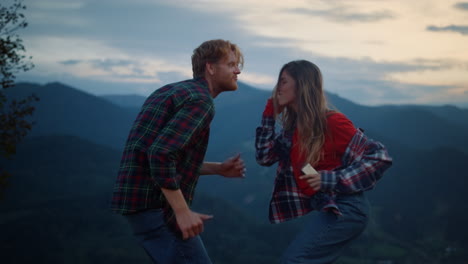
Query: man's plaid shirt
[165, 147]
[363, 163]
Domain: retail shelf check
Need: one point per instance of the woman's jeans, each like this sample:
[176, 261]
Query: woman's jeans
[162, 245]
[325, 234]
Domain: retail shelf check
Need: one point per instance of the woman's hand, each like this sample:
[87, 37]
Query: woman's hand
[314, 180]
[269, 108]
[279, 107]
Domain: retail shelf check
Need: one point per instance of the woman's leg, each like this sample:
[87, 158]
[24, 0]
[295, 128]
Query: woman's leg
[326, 234]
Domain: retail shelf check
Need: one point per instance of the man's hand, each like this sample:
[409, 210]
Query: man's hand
[190, 223]
[314, 180]
[233, 167]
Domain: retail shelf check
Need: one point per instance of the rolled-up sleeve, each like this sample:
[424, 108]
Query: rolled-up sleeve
[267, 144]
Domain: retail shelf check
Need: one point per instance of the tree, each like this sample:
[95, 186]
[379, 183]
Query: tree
[14, 124]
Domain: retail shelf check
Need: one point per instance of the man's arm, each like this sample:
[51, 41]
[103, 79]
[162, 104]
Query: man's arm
[193, 117]
[232, 168]
[190, 223]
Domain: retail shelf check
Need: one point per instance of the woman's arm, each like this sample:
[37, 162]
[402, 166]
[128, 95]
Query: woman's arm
[267, 145]
[364, 163]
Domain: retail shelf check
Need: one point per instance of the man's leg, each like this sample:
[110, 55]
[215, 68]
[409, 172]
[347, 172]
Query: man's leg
[162, 245]
[325, 234]
[192, 251]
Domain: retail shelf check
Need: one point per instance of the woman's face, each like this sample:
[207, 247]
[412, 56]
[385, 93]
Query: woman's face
[286, 90]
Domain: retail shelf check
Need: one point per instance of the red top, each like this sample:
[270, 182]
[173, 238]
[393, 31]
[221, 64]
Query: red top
[340, 131]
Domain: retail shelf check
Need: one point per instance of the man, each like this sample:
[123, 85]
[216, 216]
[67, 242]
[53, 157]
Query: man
[164, 154]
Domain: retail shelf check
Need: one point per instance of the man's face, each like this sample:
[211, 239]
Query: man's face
[226, 73]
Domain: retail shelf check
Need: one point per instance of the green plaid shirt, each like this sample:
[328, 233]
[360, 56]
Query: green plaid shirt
[165, 147]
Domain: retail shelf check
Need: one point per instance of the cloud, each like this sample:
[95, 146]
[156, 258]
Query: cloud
[145, 71]
[448, 73]
[256, 79]
[345, 15]
[129, 71]
[70, 62]
[418, 81]
[462, 6]
[433, 81]
[454, 28]
[371, 51]
[55, 5]
[378, 92]
[108, 64]
[103, 63]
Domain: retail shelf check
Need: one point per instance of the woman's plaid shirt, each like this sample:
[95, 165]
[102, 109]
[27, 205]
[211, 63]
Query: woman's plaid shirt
[363, 163]
[165, 147]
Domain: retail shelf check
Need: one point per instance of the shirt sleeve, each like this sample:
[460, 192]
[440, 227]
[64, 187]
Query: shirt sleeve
[364, 163]
[191, 119]
[267, 144]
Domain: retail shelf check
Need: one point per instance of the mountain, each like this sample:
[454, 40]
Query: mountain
[66, 110]
[64, 172]
[129, 101]
[60, 193]
[64, 183]
[448, 112]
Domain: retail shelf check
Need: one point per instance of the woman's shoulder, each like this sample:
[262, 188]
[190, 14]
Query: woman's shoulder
[336, 116]
[338, 120]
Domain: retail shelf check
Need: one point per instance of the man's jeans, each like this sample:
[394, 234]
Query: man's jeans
[162, 245]
[326, 234]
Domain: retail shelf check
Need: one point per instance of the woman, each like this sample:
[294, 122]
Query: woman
[346, 164]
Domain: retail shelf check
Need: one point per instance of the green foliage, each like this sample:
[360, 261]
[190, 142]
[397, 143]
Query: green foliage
[13, 123]
[4, 175]
[12, 59]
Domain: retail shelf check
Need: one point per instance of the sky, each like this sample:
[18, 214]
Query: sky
[372, 52]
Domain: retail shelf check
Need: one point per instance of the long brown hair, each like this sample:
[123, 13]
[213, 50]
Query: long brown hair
[310, 119]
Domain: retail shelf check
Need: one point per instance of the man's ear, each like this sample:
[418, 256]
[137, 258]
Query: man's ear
[210, 68]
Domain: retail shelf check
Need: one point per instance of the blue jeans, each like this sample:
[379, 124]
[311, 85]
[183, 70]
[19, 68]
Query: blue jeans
[326, 234]
[161, 244]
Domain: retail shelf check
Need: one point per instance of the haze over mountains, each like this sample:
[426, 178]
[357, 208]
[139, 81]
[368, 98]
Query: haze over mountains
[64, 172]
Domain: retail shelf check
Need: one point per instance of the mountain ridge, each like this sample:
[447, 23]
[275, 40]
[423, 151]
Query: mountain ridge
[74, 158]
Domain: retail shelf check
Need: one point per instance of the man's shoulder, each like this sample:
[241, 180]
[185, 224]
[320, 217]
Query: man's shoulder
[190, 89]
[180, 93]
